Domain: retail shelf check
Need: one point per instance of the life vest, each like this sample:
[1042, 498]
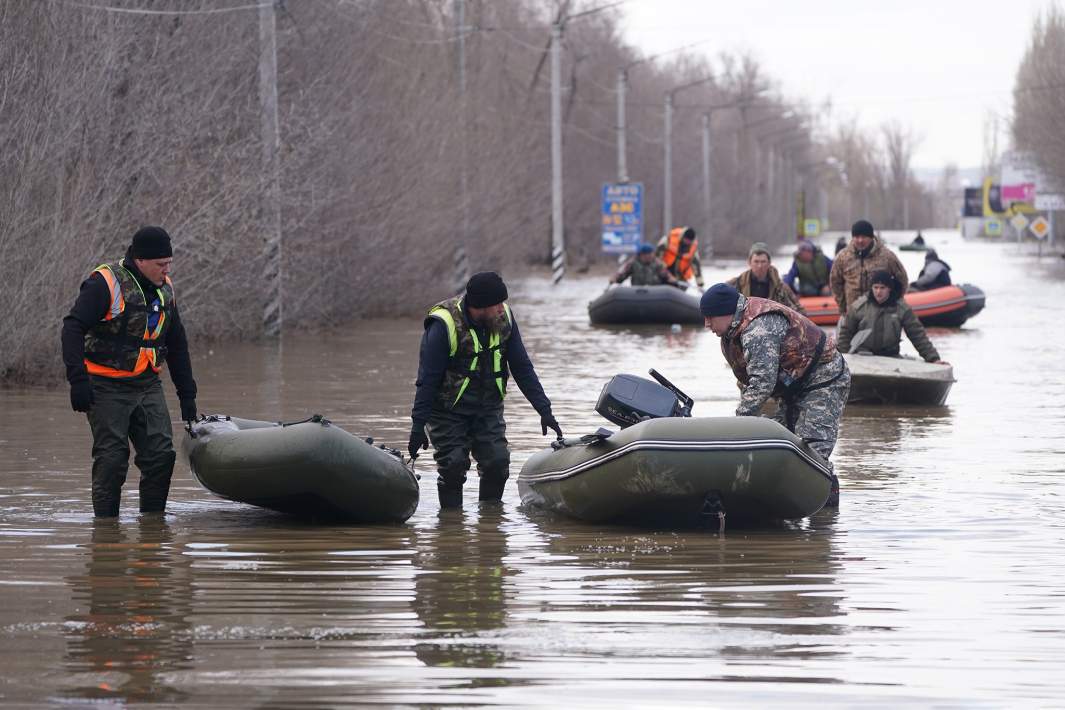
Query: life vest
[466, 350]
[797, 350]
[645, 274]
[129, 339]
[680, 264]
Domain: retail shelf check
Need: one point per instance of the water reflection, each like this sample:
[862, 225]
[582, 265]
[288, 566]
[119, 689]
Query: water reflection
[133, 602]
[460, 595]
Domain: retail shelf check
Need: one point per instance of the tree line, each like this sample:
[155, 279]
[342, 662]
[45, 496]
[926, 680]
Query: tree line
[404, 134]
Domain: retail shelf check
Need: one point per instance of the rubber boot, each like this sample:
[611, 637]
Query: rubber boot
[449, 497]
[491, 489]
[105, 509]
[833, 494]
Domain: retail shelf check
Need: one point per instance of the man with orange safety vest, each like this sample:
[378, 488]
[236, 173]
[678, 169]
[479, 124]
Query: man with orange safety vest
[123, 325]
[679, 251]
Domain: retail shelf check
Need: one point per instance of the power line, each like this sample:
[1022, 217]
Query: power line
[136, 11]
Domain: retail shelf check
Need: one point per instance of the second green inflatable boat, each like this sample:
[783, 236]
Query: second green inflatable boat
[310, 469]
[680, 471]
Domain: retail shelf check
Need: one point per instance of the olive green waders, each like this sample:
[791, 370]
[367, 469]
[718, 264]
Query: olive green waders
[125, 411]
[456, 433]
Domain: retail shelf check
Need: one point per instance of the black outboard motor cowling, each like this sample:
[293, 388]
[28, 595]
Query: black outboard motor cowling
[628, 399]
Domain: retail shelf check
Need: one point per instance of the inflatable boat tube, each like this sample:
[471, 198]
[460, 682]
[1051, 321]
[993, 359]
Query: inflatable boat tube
[645, 304]
[309, 469]
[948, 306]
[675, 471]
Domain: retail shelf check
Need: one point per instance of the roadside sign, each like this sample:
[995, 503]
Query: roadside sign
[1040, 227]
[811, 227]
[1022, 192]
[993, 227]
[1049, 201]
[622, 217]
[1019, 222]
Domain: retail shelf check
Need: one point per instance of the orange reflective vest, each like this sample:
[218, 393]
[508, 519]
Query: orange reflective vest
[129, 338]
[683, 268]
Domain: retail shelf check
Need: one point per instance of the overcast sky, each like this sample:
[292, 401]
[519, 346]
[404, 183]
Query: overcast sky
[938, 66]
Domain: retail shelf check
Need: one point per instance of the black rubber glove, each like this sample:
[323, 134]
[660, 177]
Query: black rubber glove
[188, 410]
[81, 398]
[418, 440]
[549, 422]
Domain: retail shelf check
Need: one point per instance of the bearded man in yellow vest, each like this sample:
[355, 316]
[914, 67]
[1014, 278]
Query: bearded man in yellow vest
[470, 346]
[123, 326]
[776, 352]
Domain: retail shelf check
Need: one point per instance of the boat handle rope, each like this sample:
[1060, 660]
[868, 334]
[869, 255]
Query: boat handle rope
[316, 418]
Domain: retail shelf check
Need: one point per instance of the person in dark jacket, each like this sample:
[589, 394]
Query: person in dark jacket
[124, 324]
[645, 269]
[934, 274]
[811, 269]
[762, 280]
[470, 345]
[875, 323]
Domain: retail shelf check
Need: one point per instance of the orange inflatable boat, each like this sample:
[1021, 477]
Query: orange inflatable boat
[948, 307]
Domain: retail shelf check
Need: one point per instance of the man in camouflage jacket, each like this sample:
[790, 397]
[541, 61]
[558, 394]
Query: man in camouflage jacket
[853, 267]
[778, 353]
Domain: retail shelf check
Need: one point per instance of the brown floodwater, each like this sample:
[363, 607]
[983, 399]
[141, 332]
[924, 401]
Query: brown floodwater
[939, 581]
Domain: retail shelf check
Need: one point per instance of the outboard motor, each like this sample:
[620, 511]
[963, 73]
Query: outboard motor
[628, 399]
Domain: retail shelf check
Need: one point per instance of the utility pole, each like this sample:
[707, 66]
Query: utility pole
[461, 261]
[707, 216]
[271, 178]
[623, 169]
[558, 245]
[667, 187]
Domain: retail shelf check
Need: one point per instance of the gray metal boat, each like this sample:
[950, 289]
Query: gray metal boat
[898, 380]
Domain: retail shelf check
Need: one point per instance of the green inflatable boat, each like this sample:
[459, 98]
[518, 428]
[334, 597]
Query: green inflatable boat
[673, 470]
[310, 469]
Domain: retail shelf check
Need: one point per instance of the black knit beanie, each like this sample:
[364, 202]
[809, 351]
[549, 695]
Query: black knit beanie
[485, 289]
[862, 228]
[151, 243]
[884, 278]
[719, 300]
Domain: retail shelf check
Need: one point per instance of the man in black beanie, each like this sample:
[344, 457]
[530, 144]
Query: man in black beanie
[778, 353]
[123, 325]
[470, 345]
[855, 264]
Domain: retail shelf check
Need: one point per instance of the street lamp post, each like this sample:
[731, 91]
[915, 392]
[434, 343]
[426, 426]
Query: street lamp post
[667, 139]
[622, 88]
[558, 244]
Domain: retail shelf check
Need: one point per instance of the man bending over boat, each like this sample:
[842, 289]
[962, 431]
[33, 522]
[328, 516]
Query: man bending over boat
[645, 269]
[875, 323]
[470, 345]
[776, 352]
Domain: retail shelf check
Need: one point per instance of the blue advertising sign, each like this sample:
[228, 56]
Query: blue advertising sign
[622, 223]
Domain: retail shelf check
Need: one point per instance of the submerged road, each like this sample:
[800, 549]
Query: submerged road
[938, 581]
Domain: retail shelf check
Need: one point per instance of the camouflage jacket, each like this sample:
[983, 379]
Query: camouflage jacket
[769, 347]
[778, 290]
[642, 274]
[852, 272]
[870, 327]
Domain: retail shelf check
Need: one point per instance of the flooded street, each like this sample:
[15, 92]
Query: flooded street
[940, 579]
